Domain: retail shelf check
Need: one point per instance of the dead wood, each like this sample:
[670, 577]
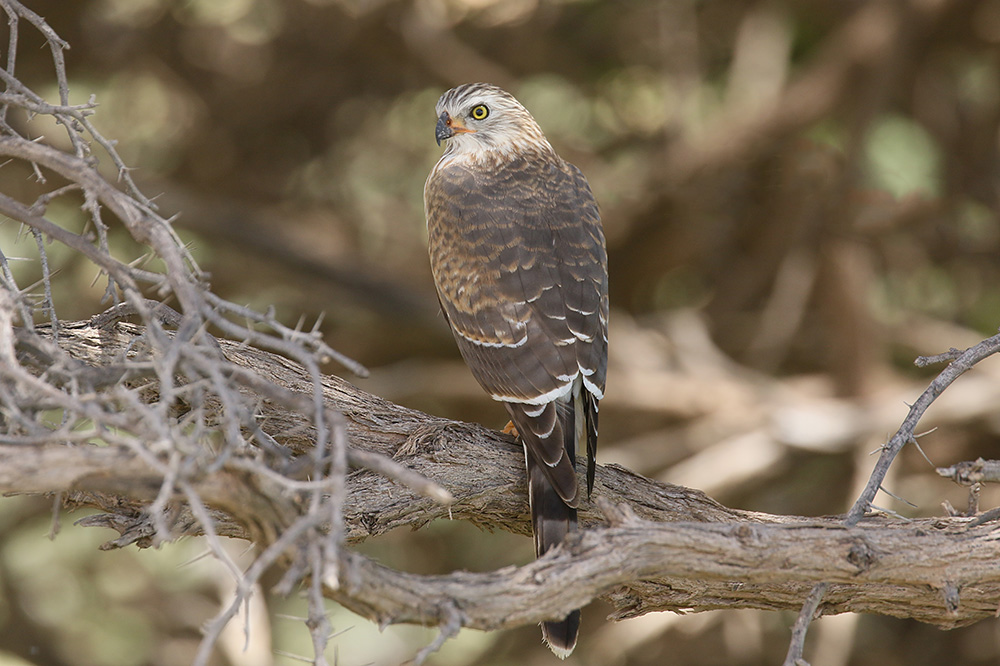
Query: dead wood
[647, 547]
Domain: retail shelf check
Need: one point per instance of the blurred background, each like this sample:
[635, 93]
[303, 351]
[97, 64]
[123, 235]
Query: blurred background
[799, 198]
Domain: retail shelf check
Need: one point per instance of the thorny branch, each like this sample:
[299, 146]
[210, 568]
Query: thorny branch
[971, 472]
[960, 363]
[906, 433]
[205, 436]
[148, 399]
[647, 546]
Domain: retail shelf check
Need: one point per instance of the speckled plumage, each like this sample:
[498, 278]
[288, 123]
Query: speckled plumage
[519, 261]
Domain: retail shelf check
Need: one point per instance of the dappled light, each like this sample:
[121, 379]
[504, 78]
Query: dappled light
[799, 199]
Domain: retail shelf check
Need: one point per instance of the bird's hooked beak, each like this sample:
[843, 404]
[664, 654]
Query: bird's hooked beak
[448, 127]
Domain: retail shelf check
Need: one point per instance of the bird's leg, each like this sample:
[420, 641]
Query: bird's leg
[510, 429]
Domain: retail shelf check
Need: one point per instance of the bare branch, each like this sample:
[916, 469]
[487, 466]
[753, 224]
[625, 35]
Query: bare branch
[972, 472]
[648, 546]
[204, 436]
[802, 622]
[965, 361]
[962, 361]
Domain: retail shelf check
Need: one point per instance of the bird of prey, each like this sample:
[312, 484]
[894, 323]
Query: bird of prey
[519, 262]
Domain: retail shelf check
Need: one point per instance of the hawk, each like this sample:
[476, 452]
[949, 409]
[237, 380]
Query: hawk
[519, 262]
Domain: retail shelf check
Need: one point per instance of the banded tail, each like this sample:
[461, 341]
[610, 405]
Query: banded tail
[550, 434]
[552, 519]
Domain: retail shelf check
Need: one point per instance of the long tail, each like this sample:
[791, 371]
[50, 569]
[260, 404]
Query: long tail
[550, 433]
[552, 520]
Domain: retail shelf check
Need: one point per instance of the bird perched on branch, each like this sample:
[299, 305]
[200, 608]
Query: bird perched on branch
[519, 262]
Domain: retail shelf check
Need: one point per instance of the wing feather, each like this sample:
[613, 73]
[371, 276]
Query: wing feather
[520, 266]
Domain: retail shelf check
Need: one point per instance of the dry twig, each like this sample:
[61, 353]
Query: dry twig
[206, 436]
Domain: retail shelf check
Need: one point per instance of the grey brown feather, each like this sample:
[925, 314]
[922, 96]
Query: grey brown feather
[519, 262]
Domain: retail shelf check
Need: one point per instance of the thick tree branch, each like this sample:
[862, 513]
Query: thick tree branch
[648, 546]
[874, 568]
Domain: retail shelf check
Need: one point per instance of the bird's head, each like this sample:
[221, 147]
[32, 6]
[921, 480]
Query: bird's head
[480, 117]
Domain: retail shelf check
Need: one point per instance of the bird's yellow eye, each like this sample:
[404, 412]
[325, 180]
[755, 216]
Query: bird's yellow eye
[480, 111]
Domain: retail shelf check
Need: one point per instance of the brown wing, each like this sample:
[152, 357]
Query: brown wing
[518, 257]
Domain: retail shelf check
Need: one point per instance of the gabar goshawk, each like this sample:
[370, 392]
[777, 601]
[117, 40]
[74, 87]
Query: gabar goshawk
[520, 265]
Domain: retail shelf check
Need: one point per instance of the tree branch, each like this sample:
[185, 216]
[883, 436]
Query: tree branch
[962, 362]
[647, 547]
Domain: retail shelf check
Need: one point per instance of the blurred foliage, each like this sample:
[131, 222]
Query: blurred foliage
[803, 193]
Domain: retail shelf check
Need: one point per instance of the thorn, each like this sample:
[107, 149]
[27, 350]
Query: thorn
[913, 439]
[897, 497]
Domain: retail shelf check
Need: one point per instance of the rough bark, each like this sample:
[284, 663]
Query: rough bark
[647, 547]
